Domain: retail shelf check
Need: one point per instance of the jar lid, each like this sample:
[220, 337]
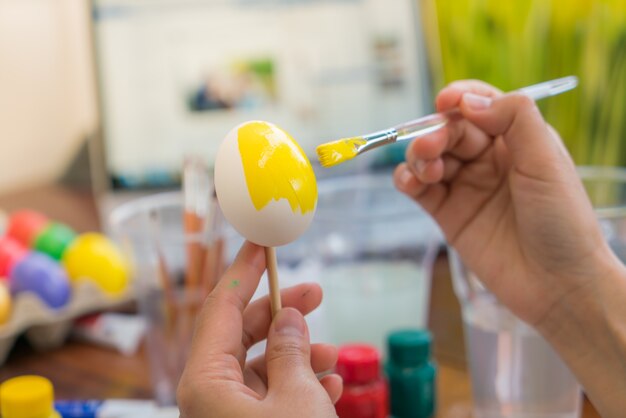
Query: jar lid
[26, 397]
[358, 363]
[409, 348]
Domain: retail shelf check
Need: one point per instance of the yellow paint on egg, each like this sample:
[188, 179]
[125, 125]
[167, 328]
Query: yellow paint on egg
[275, 167]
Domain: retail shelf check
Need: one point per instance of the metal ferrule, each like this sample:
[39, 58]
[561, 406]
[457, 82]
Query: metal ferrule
[378, 139]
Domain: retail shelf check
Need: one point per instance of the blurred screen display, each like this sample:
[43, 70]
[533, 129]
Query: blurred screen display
[175, 76]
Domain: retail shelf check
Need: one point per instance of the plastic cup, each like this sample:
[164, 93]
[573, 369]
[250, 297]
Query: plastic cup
[150, 230]
[606, 187]
[375, 249]
[514, 371]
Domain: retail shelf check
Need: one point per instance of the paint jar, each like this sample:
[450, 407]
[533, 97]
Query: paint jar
[411, 374]
[151, 231]
[27, 397]
[374, 250]
[365, 393]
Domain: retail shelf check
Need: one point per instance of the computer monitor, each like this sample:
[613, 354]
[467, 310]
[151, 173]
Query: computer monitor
[175, 76]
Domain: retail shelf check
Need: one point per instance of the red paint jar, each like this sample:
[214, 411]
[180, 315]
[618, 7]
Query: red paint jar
[365, 393]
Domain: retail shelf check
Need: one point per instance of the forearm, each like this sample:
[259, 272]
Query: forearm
[588, 329]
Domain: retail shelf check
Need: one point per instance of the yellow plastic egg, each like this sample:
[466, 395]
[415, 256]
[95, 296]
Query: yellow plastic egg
[265, 184]
[5, 302]
[93, 256]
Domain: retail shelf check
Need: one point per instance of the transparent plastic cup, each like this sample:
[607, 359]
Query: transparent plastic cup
[150, 231]
[606, 187]
[376, 248]
[515, 373]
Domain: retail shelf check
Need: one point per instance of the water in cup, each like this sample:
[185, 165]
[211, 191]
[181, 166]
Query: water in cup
[515, 372]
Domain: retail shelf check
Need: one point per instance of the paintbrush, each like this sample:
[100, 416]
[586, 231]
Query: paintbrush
[166, 282]
[213, 264]
[336, 152]
[197, 186]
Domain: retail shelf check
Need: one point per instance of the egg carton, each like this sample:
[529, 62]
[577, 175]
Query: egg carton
[46, 328]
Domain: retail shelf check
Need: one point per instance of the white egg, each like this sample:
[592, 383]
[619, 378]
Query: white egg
[265, 184]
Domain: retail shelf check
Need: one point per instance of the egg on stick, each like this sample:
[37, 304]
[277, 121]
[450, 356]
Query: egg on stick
[266, 188]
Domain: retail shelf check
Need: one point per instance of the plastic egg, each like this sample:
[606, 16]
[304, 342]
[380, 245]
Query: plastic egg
[265, 184]
[11, 252]
[94, 257]
[25, 225]
[40, 274]
[54, 239]
[5, 301]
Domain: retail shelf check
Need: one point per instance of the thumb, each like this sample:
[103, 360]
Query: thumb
[288, 353]
[514, 116]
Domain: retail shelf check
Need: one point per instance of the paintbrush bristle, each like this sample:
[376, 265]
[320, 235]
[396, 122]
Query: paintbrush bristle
[336, 152]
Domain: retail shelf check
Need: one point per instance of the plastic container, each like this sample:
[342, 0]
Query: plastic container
[375, 248]
[365, 393]
[151, 231]
[514, 371]
[411, 374]
[27, 397]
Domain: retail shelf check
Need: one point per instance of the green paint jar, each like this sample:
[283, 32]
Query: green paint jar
[411, 374]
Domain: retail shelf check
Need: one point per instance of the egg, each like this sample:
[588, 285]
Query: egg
[265, 184]
[95, 257]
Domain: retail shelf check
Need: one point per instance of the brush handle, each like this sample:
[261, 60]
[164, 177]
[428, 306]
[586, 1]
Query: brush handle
[430, 123]
[426, 124]
[272, 276]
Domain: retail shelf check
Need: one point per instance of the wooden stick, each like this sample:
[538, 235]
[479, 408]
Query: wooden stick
[272, 276]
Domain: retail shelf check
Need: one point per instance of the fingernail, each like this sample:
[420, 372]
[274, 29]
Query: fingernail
[420, 166]
[476, 102]
[289, 322]
[405, 177]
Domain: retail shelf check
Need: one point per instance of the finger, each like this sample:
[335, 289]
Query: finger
[450, 96]
[288, 354]
[257, 316]
[428, 147]
[451, 167]
[533, 148]
[428, 172]
[333, 384]
[431, 147]
[323, 359]
[407, 182]
[220, 322]
[464, 140]
[428, 196]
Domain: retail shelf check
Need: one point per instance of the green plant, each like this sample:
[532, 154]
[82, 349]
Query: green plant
[515, 43]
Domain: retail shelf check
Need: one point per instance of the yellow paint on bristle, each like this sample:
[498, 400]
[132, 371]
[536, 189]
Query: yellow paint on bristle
[276, 167]
[336, 152]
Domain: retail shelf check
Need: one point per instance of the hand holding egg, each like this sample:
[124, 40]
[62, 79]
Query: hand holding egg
[265, 186]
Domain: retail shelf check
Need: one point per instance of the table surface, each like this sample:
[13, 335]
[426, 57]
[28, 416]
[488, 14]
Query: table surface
[83, 371]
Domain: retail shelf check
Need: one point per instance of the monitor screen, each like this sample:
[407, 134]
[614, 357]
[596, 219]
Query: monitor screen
[175, 75]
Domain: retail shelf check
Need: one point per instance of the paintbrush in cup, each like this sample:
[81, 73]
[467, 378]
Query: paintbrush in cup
[197, 189]
[337, 152]
[213, 263]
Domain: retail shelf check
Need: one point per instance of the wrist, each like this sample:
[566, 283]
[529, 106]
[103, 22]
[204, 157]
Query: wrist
[582, 312]
[587, 330]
